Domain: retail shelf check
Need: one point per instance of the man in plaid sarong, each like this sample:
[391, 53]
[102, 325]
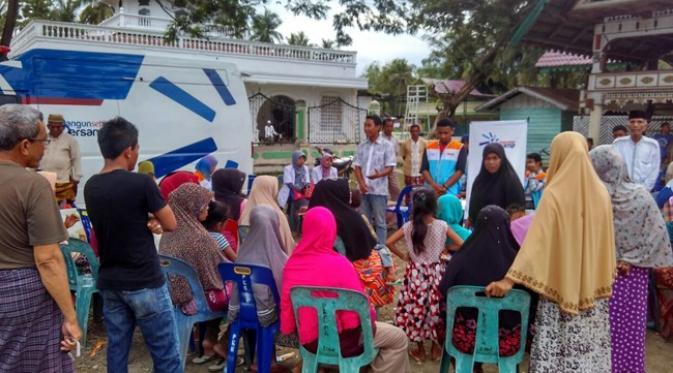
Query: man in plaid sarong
[38, 323]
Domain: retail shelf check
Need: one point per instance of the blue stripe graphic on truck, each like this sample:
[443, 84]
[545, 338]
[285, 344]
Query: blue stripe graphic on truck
[219, 85]
[64, 77]
[182, 97]
[175, 159]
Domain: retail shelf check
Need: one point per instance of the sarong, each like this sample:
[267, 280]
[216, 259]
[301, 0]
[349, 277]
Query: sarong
[30, 325]
[628, 316]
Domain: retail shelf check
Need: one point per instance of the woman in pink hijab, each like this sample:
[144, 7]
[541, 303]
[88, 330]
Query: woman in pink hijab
[312, 259]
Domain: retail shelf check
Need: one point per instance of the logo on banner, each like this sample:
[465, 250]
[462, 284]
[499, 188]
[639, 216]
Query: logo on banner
[490, 138]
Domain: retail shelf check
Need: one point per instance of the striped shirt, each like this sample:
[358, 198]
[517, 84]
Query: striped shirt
[222, 242]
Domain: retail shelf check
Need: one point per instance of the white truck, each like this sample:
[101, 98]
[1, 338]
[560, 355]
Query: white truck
[184, 107]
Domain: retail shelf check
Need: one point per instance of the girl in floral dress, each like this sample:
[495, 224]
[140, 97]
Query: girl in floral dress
[418, 307]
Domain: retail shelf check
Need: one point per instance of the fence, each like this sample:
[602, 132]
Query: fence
[335, 121]
[608, 122]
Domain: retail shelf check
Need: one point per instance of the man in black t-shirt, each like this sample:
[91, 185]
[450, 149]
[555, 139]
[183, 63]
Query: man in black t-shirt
[125, 208]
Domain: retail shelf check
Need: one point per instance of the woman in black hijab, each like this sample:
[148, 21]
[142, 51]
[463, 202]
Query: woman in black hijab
[227, 184]
[486, 255]
[351, 227]
[497, 183]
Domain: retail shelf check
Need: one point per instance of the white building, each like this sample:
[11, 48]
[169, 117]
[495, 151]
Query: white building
[308, 94]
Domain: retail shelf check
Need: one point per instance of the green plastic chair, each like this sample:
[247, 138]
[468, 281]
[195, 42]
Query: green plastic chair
[486, 346]
[83, 285]
[329, 349]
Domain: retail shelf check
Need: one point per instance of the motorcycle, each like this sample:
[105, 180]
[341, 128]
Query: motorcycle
[344, 165]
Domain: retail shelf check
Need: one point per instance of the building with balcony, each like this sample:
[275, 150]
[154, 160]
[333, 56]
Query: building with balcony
[308, 94]
[627, 45]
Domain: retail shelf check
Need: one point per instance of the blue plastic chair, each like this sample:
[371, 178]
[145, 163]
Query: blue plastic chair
[83, 285]
[401, 212]
[176, 267]
[487, 344]
[244, 276]
[329, 348]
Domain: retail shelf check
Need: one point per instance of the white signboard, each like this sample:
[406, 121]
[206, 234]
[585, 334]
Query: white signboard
[511, 134]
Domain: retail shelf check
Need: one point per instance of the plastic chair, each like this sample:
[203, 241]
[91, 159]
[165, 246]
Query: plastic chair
[329, 349]
[185, 323]
[244, 276]
[83, 285]
[486, 344]
[401, 212]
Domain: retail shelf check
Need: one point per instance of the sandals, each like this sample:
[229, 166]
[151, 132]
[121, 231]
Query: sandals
[202, 359]
[418, 355]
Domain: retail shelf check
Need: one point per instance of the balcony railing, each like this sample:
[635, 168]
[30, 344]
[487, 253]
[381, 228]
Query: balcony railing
[136, 21]
[46, 30]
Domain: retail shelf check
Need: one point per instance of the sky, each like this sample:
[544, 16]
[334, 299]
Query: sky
[371, 46]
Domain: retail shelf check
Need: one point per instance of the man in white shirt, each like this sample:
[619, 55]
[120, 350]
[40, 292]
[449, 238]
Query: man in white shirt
[641, 153]
[62, 156]
[270, 132]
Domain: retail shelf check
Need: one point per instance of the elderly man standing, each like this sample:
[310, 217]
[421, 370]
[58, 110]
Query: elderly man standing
[37, 318]
[62, 157]
[641, 153]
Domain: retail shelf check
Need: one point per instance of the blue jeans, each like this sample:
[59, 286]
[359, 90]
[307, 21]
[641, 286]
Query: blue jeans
[152, 311]
[374, 208]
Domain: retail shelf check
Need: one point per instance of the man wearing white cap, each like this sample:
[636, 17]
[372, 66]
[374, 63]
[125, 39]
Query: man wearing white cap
[62, 157]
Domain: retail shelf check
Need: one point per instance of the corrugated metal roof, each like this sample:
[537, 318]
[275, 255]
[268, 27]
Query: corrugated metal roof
[562, 98]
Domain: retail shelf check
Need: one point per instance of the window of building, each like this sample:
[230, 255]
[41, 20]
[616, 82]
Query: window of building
[144, 12]
[331, 113]
[144, 2]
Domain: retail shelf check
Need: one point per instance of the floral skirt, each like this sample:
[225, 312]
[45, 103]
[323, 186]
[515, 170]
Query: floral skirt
[418, 306]
[465, 331]
[566, 343]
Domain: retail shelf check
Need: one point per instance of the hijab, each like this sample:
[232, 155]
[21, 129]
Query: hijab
[263, 245]
[315, 263]
[146, 168]
[520, 227]
[227, 184]
[299, 171]
[502, 188]
[568, 255]
[451, 211]
[174, 180]
[351, 227]
[191, 242]
[486, 255]
[206, 166]
[264, 192]
[641, 238]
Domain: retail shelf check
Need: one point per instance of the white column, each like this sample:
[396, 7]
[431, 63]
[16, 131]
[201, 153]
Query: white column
[595, 123]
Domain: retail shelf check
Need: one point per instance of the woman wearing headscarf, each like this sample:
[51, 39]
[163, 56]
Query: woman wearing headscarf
[324, 169]
[496, 184]
[264, 192]
[227, 185]
[642, 242]
[204, 170]
[191, 243]
[307, 266]
[262, 247]
[296, 181]
[484, 257]
[172, 181]
[450, 210]
[355, 240]
[568, 258]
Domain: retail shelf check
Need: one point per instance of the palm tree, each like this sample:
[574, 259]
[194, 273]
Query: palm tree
[299, 39]
[64, 10]
[328, 44]
[264, 27]
[96, 13]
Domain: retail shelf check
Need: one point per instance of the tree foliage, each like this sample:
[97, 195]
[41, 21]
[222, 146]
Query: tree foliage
[390, 81]
[300, 39]
[265, 27]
